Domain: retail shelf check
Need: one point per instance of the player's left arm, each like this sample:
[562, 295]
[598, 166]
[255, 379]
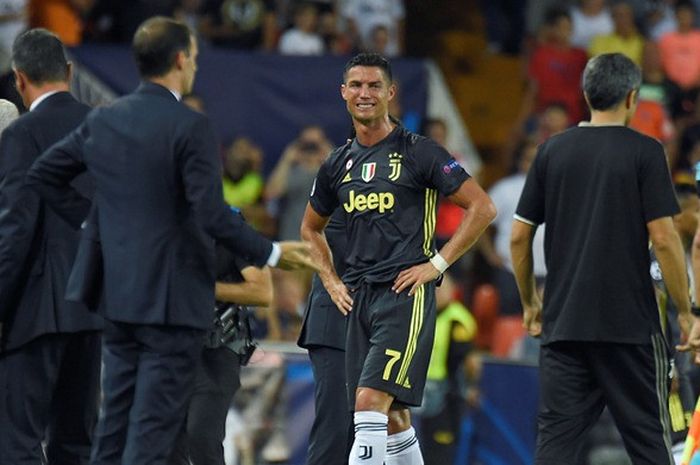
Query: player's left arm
[479, 212]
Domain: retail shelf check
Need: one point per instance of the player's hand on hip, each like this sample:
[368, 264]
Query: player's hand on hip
[296, 255]
[340, 295]
[532, 319]
[415, 277]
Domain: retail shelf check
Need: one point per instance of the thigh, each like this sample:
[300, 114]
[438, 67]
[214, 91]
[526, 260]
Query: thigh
[74, 406]
[635, 383]
[29, 378]
[570, 403]
[401, 340]
[357, 342]
[164, 383]
[330, 433]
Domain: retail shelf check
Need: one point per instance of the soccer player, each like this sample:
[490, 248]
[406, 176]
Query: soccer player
[604, 191]
[387, 180]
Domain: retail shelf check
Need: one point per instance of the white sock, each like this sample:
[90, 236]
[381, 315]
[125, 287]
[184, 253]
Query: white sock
[403, 449]
[369, 447]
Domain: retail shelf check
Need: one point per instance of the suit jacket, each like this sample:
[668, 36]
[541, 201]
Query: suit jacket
[37, 246]
[160, 206]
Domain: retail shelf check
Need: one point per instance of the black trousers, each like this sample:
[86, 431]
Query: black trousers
[577, 379]
[331, 434]
[148, 380]
[48, 391]
[217, 380]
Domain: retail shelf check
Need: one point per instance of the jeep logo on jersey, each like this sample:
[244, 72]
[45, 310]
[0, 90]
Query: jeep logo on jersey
[381, 201]
[368, 170]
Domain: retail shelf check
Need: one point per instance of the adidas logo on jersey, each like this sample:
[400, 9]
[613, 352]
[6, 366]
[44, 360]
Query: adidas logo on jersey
[381, 201]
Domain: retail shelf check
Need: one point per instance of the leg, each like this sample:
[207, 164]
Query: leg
[74, 407]
[120, 354]
[28, 377]
[217, 382]
[635, 382]
[570, 403]
[402, 443]
[164, 383]
[330, 433]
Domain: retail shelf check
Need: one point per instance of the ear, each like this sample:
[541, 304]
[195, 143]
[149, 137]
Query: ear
[20, 80]
[180, 59]
[343, 89]
[69, 72]
[631, 99]
[392, 91]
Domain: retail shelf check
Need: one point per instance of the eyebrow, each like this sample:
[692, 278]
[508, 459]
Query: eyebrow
[357, 81]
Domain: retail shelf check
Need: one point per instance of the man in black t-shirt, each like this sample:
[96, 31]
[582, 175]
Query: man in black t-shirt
[323, 335]
[218, 371]
[387, 180]
[603, 191]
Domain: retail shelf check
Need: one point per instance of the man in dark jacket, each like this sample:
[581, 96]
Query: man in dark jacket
[50, 359]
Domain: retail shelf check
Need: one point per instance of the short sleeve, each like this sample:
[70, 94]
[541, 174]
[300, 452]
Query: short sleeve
[439, 169]
[323, 198]
[530, 207]
[656, 187]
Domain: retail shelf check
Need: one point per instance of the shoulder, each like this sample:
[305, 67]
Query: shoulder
[338, 156]
[421, 144]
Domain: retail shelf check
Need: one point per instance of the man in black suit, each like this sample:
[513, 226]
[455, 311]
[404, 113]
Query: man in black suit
[50, 359]
[160, 206]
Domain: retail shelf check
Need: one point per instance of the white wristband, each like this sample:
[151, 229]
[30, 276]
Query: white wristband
[439, 263]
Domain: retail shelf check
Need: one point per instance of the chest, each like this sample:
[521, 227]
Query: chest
[378, 182]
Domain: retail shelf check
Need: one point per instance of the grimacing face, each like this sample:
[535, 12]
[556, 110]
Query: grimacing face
[367, 93]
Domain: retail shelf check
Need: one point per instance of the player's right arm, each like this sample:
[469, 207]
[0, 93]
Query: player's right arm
[312, 227]
[322, 202]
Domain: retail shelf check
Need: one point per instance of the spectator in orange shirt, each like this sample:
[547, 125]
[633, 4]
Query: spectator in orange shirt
[680, 50]
[63, 17]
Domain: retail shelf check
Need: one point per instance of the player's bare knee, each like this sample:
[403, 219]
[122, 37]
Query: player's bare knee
[368, 399]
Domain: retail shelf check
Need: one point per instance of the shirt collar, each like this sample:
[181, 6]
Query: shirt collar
[41, 98]
[176, 94]
[588, 124]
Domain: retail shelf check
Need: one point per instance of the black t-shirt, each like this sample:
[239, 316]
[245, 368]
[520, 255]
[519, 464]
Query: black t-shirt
[596, 188]
[389, 194]
[229, 266]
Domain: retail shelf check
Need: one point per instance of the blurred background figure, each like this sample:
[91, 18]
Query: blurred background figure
[241, 24]
[453, 375]
[625, 37]
[590, 18]
[554, 72]
[290, 182]
[494, 245]
[8, 113]
[303, 38]
[243, 183]
[363, 16]
[63, 17]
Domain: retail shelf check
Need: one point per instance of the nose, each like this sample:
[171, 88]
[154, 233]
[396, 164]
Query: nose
[364, 91]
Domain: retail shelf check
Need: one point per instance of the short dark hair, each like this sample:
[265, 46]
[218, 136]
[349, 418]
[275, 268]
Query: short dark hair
[40, 55]
[156, 44]
[554, 14]
[370, 59]
[608, 78]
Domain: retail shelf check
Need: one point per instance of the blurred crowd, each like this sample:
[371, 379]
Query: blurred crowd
[292, 27]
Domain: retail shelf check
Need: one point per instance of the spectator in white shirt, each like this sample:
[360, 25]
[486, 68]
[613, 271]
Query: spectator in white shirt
[590, 18]
[303, 38]
[363, 16]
